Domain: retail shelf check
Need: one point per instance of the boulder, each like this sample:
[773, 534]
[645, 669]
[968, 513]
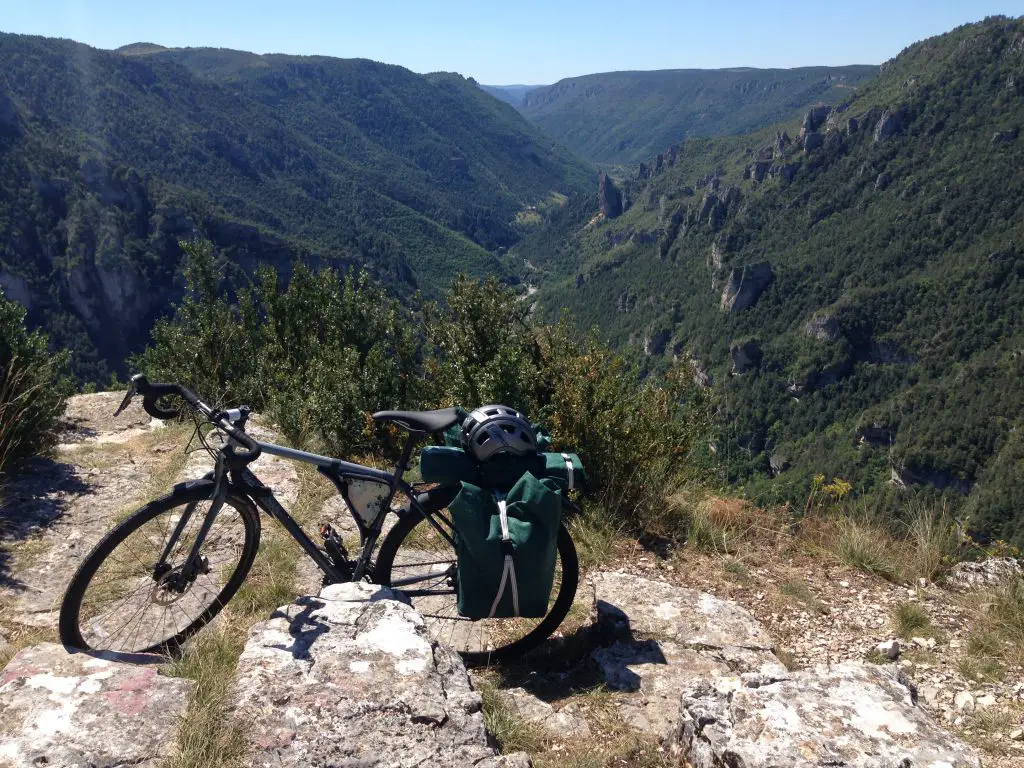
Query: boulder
[812, 141]
[746, 357]
[609, 199]
[63, 709]
[745, 286]
[883, 181]
[889, 124]
[851, 714]
[352, 678]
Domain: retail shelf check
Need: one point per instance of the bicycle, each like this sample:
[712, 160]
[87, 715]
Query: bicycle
[173, 564]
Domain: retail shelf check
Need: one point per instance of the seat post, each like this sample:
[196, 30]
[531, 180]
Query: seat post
[403, 459]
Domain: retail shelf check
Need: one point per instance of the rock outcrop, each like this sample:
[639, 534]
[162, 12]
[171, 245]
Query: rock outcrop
[658, 638]
[745, 286]
[850, 714]
[609, 199]
[63, 710]
[352, 678]
[824, 328]
[746, 357]
[889, 124]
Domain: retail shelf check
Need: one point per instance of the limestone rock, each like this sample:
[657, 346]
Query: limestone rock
[352, 678]
[664, 638]
[824, 327]
[814, 119]
[746, 357]
[890, 649]
[632, 604]
[990, 572]
[609, 199]
[813, 141]
[883, 181]
[562, 723]
[889, 124]
[745, 286]
[62, 710]
[848, 714]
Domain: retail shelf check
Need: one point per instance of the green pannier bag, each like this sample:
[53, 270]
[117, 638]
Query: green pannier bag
[447, 466]
[567, 469]
[506, 548]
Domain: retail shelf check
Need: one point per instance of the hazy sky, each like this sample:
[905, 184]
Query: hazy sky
[527, 41]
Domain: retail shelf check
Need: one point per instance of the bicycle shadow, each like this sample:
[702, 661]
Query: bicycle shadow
[31, 501]
[595, 656]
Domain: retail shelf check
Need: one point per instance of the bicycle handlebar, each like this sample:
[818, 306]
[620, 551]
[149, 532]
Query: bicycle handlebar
[151, 392]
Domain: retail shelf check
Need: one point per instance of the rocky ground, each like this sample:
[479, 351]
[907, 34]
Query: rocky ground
[670, 656]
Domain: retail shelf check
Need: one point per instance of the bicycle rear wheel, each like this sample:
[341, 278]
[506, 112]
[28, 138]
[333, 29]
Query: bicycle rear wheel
[119, 600]
[418, 558]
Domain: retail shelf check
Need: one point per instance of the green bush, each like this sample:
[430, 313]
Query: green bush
[317, 354]
[32, 388]
[638, 439]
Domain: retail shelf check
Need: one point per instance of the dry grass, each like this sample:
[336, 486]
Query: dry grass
[912, 620]
[722, 526]
[996, 641]
[208, 734]
[511, 732]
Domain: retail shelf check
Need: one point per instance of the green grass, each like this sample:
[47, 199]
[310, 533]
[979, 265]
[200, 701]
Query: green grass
[511, 732]
[996, 641]
[911, 620]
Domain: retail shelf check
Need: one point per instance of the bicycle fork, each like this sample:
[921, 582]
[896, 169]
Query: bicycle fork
[178, 579]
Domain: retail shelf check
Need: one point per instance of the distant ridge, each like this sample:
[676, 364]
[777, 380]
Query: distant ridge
[630, 116]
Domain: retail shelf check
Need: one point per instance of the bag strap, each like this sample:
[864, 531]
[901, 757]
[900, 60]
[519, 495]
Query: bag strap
[568, 465]
[508, 573]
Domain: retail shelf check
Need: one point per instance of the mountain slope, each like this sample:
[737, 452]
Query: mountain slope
[108, 158]
[626, 117]
[853, 285]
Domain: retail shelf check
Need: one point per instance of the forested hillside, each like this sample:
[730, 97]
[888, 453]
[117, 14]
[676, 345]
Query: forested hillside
[850, 285]
[626, 117]
[107, 159]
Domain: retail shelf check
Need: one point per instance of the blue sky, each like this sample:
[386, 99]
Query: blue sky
[524, 42]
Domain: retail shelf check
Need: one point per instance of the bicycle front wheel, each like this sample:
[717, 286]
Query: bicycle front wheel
[123, 599]
[418, 558]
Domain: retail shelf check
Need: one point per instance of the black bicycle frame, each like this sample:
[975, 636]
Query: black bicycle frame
[340, 472]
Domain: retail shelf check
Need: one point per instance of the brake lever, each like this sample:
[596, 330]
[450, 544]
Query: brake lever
[132, 392]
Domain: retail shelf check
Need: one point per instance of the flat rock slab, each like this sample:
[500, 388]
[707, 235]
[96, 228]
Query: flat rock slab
[61, 710]
[853, 715]
[352, 679]
[632, 604]
[667, 638]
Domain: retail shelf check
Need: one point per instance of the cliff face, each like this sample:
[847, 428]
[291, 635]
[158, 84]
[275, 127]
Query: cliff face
[891, 222]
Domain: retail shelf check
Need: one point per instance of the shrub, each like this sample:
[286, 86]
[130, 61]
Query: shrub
[317, 354]
[321, 352]
[638, 439]
[32, 388]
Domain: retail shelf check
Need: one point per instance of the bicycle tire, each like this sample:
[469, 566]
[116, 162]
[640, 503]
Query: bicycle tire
[70, 629]
[559, 609]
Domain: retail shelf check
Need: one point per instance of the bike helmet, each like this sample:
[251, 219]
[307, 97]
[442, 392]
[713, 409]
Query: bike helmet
[493, 429]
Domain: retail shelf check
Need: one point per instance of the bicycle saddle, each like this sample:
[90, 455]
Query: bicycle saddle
[420, 421]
